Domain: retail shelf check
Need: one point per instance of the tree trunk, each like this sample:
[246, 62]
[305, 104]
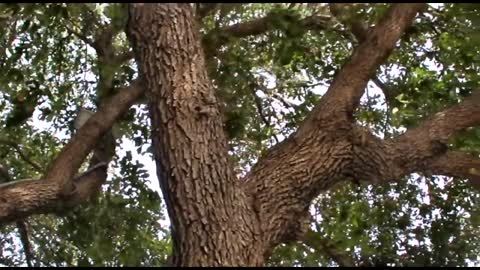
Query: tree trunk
[213, 222]
[218, 220]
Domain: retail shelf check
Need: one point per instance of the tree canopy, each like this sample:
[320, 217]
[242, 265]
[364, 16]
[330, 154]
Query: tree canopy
[270, 65]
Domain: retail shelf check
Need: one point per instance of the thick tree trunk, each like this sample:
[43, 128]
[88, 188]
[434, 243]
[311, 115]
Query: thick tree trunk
[213, 222]
[220, 221]
[215, 219]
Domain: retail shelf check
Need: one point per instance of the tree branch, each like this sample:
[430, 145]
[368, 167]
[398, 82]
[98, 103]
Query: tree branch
[4, 175]
[219, 37]
[456, 164]
[123, 57]
[258, 104]
[58, 189]
[360, 30]
[79, 35]
[430, 138]
[388, 92]
[343, 96]
[22, 228]
[285, 181]
[73, 154]
[27, 248]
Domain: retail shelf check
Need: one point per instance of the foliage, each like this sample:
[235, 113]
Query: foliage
[266, 84]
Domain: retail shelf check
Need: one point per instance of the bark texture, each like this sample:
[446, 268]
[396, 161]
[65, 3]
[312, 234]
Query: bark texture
[217, 219]
[271, 204]
[213, 223]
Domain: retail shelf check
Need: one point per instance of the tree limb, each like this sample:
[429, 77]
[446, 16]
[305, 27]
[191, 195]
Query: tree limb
[253, 28]
[204, 9]
[343, 95]
[27, 247]
[73, 154]
[360, 30]
[456, 164]
[22, 228]
[431, 137]
[295, 171]
[58, 189]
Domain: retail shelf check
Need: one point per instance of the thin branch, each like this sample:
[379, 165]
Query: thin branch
[343, 95]
[123, 57]
[22, 155]
[253, 28]
[258, 104]
[79, 35]
[285, 103]
[27, 247]
[389, 93]
[358, 28]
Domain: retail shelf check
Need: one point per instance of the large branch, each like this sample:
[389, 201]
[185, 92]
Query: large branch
[343, 96]
[295, 171]
[456, 164]
[360, 30]
[430, 138]
[73, 154]
[59, 189]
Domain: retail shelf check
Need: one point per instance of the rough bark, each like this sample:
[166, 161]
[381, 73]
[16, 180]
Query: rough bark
[218, 220]
[328, 148]
[191, 147]
[213, 222]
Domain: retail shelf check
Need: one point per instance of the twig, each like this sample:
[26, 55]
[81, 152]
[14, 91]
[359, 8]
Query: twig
[258, 103]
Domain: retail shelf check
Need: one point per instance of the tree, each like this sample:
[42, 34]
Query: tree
[201, 68]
